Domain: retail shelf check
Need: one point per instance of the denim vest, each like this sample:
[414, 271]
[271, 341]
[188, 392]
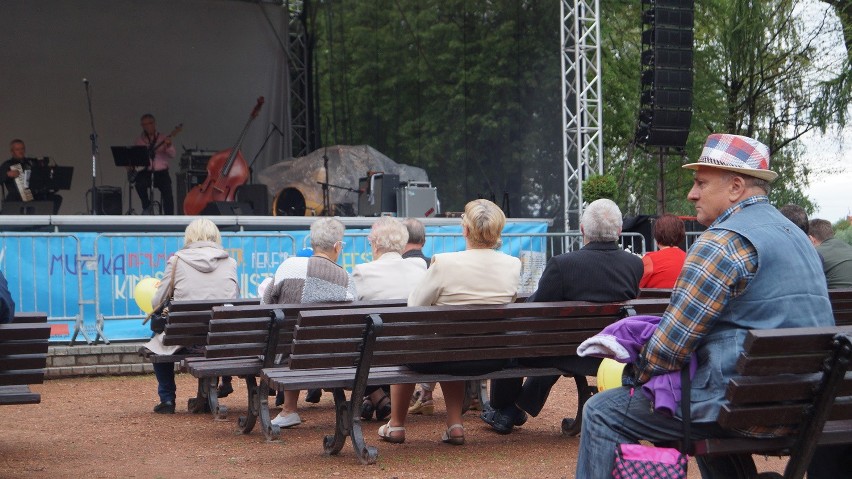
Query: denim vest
[788, 290]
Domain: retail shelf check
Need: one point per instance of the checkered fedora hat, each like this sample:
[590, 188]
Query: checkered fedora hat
[736, 153]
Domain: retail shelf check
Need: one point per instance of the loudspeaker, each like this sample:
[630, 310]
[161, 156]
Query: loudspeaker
[226, 208]
[109, 200]
[257, 196]
[667, 59]
[186, 180]
[377, 194]
[27, 208]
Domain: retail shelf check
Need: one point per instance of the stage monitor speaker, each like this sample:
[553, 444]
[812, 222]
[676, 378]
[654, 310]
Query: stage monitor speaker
[665, 109]
[257, 196]
[377, 194]
[109, 201]
[27, 208]
[226, 208]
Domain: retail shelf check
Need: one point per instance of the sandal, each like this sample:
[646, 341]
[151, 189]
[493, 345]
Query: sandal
[427, 407]
[454, 440]
[386, 431]
[367, 410]
[383, 408]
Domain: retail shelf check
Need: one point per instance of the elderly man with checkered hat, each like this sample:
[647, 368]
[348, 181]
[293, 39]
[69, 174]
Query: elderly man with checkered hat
[751, 269]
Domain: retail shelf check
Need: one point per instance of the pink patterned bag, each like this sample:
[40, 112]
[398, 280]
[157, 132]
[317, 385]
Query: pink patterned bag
[634, 461]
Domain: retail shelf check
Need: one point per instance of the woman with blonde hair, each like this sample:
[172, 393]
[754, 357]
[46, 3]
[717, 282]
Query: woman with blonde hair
[478, 275]
[200, 270]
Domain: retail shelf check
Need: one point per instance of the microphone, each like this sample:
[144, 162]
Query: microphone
[86, 81]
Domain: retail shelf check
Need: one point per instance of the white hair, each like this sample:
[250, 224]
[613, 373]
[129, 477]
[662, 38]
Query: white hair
[601, 221]
[388, 235]
[325, 232]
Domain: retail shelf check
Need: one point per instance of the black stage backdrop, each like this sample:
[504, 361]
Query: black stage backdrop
[202, 63]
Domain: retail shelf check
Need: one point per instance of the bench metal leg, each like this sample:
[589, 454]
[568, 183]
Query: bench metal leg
[271, 431]
[246, 423]
[220, 412]
[348, 423]
[199, 404]
[571, 427]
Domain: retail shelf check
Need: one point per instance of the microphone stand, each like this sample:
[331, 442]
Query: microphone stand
[94, 139]
[265, 141]
[326, 197]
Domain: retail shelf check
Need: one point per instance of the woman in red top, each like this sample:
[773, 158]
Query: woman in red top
[663, 267]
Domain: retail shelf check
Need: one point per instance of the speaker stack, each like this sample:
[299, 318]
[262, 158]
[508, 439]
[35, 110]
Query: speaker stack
[667, 61]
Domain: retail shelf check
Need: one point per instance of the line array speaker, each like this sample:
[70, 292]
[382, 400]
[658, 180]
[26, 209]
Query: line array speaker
[667, 61]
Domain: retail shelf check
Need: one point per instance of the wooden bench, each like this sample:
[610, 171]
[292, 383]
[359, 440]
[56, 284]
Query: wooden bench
[241, 341]
[23, 357]
[351, 349]
[841, 305]
[796, 377]
[186, 325]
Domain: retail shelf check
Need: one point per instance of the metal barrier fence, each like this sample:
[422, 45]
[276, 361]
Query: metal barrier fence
[45, 274]
[144, 255]
[89, 275]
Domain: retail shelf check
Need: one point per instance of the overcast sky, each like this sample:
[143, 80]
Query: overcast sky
[829, 156]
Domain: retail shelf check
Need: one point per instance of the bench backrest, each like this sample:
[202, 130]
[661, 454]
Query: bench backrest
[841, 305]
[244, 330]
[188, 321]
[795, 378]
[646, 293]
[23, 349]
[324, 339]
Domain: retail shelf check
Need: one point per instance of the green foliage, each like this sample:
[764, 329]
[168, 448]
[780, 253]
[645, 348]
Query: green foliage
[470, 90]
[599, 186]
[845, 235]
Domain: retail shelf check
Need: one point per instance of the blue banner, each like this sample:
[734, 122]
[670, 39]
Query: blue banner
[93, 275]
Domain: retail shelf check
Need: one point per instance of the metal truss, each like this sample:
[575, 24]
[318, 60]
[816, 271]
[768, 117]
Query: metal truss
[582, 108]
[297, 116]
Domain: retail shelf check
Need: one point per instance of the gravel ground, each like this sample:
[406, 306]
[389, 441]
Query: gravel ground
[103, 427]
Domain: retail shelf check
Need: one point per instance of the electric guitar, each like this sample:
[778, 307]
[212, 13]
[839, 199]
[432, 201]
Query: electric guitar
[132, 172]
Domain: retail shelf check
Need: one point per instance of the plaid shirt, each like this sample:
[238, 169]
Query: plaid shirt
[718, 268]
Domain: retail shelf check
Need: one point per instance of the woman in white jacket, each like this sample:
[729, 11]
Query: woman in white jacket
[200, 270]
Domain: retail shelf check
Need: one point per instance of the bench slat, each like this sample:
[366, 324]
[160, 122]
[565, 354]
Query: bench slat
[23, 361]
[27, 346]
[382, 358]
[21, 376]
[751, 389]
[282, 378]
[768, 341]
[781, 364]
[18, 394]
[29, 318]
[19, 331]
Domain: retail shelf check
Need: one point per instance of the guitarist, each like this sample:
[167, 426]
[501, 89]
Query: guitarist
[161, 151]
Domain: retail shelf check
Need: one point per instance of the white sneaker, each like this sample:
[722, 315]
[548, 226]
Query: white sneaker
[288, 420]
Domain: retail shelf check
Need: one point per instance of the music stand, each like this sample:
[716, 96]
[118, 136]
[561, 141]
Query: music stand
[133, 157]
[51, 178]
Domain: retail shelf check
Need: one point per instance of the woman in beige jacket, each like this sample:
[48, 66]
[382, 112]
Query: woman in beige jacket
[477, 275]
[200, 270]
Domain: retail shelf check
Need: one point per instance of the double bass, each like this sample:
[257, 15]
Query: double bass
[226, 171]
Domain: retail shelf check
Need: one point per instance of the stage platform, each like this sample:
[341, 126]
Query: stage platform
[131, 224]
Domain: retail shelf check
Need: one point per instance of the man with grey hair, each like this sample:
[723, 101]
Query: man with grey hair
[416, 240]
[600, 272]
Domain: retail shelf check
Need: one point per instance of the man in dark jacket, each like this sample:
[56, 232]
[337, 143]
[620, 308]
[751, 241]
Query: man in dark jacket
[600, 272]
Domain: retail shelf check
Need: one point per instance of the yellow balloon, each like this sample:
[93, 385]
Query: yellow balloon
[144, 293]
[609, 374]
